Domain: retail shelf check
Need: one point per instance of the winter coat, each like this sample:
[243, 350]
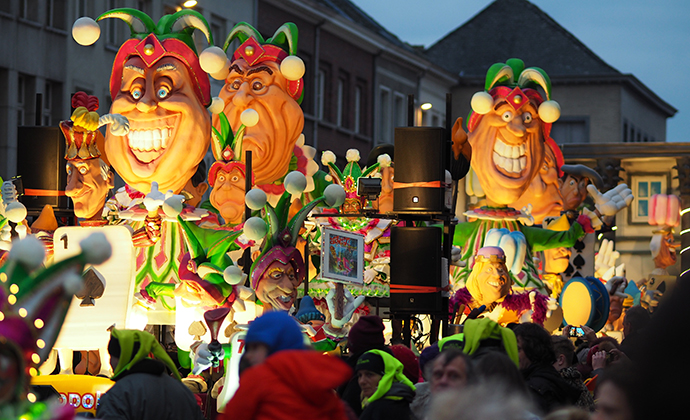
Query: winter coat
[146, 392]
[574, 378]
[290, 384]
[394, 405]
[549, 391]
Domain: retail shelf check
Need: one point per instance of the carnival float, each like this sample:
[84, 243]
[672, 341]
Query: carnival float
[279, 232]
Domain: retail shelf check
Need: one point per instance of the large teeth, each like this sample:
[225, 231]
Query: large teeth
[511, 158]
[149, 140]
[284, 299]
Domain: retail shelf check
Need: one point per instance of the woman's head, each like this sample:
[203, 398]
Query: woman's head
[370, 369]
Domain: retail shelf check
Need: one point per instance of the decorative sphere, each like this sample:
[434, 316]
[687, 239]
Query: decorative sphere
[233, 275]
[295, 183]
[222, 73]
[255, 229]
[216, 106]
[212, 59]
[335, 195]
[549, 111]
[85, 31]
[292, 67]
[255, 199]
[15, 212]
[482, 102]
[249, 117]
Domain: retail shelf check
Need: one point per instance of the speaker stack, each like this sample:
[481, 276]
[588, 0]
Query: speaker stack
[420, 170]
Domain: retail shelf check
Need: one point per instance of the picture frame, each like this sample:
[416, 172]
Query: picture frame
[342, 256]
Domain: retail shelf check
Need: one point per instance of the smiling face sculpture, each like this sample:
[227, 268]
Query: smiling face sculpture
[508, 128]
[489, 280]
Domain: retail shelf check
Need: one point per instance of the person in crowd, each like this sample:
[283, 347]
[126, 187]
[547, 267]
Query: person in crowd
[409, 360]
[496, 366]
[565, 354]
[603, 352]
[536, 358]
[452, 369]
[423, 394]
[281, 379]
[482, 401]
[569, 413]
[144, 388]
[636, 319]
[617, 392]
[366, 334]
[386, 391]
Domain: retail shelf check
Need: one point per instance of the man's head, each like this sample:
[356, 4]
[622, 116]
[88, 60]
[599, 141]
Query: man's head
[556, 260]
[196, 187]
[573, 184]
[564, 350]
[489, 280]
[452, 369]
[370, 368]
[534, 345]
[636, 318]
[270, 333]
[617, 393]
[663, 247]
[227, 195]
[88, 183]
[366, 334]
[276, 276]
[129, 347]
[257, 80]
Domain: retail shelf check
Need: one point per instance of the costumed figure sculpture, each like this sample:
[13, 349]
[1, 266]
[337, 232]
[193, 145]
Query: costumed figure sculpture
[664, 212]
[266, 75]
[33, 305]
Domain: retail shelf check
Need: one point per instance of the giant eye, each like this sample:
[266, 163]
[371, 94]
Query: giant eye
[136, 93]
[527, 117]
[235, 178]
[236, 84]
[221, 178]
[257, 85]
[507, 116]
[163, 92]
[83, 170]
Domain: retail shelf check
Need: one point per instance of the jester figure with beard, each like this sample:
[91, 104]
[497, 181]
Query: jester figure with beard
[266, 76]
[158, 83]
[508, 129]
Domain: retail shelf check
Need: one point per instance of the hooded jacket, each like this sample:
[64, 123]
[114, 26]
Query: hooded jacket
[549, 391]
[290, 384]
[394, 393]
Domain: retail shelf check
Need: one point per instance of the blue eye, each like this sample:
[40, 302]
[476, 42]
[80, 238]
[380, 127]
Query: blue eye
[136, 93]
[163, 92]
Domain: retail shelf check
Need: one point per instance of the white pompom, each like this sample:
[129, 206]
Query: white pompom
[212, 59]
[328, 178]
[86, 31]
[217, 105]
[384, 160]
[96, 248]
[482, 102]
[72, 284]
[255, 199]
[15, 212]
[249, 117]
[172, 206]
[295, 182]
[222, 73]
[335, 195]
[233, 275]
[29, 252]
[549, 111]
[327, 157]
[255, 229]
[352, 155]
[292, 67]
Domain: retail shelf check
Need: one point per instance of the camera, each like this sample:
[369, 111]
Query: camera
[576, 332]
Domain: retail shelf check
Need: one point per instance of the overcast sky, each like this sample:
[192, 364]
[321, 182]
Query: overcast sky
[648, 38]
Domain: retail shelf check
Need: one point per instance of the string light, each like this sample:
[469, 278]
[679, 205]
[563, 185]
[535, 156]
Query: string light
[38, 323]
[14, 289]
[22, 312]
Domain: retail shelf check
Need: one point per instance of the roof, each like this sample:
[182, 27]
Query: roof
[515, 28]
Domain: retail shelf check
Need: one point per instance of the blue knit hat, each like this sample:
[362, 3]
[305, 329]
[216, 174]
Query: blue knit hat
[308, 312]
[278, 330]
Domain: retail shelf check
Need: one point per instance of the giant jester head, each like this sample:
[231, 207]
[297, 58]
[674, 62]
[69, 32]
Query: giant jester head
[265, 75]
[158, 83]
[508, 127]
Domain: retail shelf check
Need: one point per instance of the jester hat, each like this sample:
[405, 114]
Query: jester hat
[34, 300]
[170, 37]
[81, 130]
[517, 85]
[279, 244]
[227, 148]
[149, 348]
[350, 175]
[280, 48]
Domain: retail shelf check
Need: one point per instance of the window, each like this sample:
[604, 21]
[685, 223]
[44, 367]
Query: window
[342, 104]
[21, 99]
[385, 115]
[6, 6]
[144, 6]
[569, 130]
[400, 112]
[321, 95]
[625, 132]
[57, 14]
[28, 9]
[52, 95]
[84, 8]
[115, 29]
[218, 25]
[644, 187]
[358, 109]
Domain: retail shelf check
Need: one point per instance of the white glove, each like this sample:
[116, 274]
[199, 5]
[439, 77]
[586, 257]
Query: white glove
[612, 201]
[351, 303]
[119, 124]
[455, 255]
[154, 199]
[605, 261]
[204, 359]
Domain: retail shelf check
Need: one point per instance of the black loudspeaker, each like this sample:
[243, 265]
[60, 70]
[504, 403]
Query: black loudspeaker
[41, 164]
[420, 169]
[416, 270]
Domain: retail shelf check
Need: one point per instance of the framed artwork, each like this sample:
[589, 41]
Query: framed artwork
[342, 256]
